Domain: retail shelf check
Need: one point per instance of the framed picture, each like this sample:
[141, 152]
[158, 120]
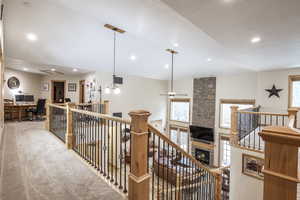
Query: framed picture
[72, 87]
[252, 166]
[45, 87]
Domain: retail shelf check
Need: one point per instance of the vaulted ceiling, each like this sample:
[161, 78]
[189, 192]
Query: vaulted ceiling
[213, 36]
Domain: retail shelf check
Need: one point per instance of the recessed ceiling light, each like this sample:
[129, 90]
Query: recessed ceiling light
[209, 59]
[166, 66]
[75, 70]
[176, 44]
[133, 57]
[255, 40]
[31, 37]
[53, 69]
[25, 69]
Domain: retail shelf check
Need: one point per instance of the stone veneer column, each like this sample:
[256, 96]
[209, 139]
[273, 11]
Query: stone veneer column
[204, 102]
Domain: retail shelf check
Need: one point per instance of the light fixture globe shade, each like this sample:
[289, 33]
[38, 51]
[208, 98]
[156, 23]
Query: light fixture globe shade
[107, 90]
[117, 91]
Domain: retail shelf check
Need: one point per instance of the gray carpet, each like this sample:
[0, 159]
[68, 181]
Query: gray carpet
[37, 166]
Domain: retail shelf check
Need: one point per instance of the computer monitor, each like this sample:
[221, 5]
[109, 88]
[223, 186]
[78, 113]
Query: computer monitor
[28, 98]
[19, 98]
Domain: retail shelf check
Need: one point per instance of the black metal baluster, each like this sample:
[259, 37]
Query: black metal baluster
[116, 153]
[158, 167]
[105, 133]
[249, 140]
[153, 160]
[101, 145]
[163, 172]
[108, 148]
[121, 155]
[125, 152]
[112, 151]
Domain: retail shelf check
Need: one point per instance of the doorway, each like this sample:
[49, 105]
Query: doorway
[81, 91]
[58, 91]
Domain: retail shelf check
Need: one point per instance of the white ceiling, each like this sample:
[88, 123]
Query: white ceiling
[71, 33]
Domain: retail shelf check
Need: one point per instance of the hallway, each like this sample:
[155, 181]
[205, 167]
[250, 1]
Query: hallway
[35, 165]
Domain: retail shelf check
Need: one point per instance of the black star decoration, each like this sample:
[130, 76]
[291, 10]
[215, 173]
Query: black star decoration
[274, 91]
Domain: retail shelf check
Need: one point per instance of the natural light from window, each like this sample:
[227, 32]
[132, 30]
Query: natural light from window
[226, 153]
[225, 119]
[296, 94]
[180, 111]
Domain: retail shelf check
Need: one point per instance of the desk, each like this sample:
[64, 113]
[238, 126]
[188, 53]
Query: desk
[17, 111]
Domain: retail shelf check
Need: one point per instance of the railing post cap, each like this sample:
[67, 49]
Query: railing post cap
[139, 113]
[293, 109]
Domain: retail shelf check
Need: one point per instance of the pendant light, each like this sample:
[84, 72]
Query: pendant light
[171, 94]
[114, 87]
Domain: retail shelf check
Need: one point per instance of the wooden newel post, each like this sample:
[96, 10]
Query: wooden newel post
[139, 178]
[292, 112]
[233, 126]
[106, 107]
[218, 188]
[70, 138]
[281, 163]
[47, 122]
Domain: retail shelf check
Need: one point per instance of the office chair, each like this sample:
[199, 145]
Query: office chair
[39, 110]
[67, 100]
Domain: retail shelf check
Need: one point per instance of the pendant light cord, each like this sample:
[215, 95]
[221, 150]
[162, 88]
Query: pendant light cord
[114, 53]
[172, 78]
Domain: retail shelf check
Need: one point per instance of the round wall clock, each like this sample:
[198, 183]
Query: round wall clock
[13, 83]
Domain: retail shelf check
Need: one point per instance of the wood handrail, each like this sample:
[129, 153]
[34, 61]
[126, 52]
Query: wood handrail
[262, 113]
[178, 148]
[57, 106]
[104, 116]
[89, 104]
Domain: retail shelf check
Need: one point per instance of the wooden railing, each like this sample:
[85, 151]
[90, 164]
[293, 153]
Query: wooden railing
[245, 126]
[57, 121]
[178, 175]
[135, 157]
[102, 108]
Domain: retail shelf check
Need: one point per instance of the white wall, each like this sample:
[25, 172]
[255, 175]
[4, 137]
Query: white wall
[29, 84]
[242, 86]
[136, 93]
[74, 96]
[242, 186]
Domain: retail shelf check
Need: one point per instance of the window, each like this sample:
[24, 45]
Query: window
[180, 136]
[225, 155]
[225, 110]
[294, 91]
[180, 110]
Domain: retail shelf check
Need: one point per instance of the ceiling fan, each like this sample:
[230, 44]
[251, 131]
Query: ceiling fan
[51, 72]
[171, 94]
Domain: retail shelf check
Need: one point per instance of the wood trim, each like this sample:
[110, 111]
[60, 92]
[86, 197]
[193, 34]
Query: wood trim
[52, 88]
[81, 93]
[237, 101]
[203, 145]
[233, 101]
[180, 100]
[186, 100]
[291, 78]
